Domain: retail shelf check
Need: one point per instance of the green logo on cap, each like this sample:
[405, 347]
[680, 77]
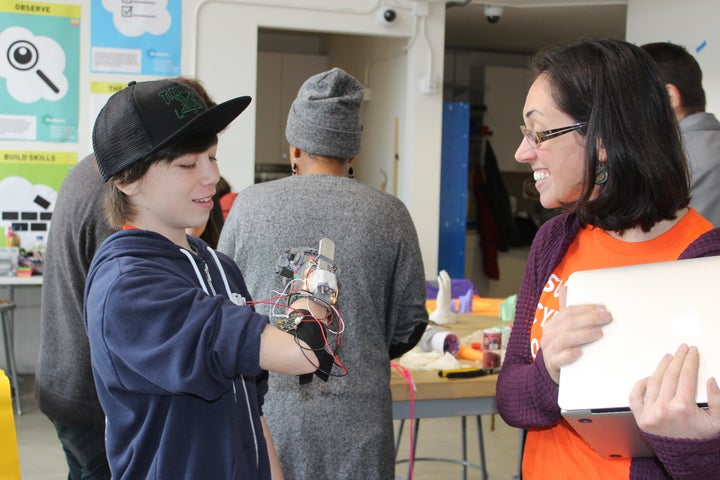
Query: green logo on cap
[189, 102]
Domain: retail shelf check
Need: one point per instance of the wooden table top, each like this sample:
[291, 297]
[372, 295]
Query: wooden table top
[432, 387]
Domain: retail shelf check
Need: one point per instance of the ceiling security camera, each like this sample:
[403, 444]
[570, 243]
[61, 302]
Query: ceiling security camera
[387, 16]
[493, 13]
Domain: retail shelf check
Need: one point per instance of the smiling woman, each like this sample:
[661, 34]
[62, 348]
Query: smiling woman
[604, 146]
[557, 166]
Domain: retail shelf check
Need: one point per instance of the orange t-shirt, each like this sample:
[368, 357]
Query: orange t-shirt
[558, 452]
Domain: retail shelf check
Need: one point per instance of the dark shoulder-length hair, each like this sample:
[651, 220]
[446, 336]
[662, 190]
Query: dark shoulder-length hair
[119, 210]
[616, 88]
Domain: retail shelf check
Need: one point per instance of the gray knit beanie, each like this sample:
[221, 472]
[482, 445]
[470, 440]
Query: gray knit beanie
[324, 119]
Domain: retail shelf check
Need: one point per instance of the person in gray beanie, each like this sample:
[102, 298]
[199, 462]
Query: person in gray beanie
[340, 428]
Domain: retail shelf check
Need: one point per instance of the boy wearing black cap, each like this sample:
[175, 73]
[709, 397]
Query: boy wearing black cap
[179, 363]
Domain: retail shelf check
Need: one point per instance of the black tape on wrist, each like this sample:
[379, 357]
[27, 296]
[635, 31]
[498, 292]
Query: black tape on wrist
[314, 334]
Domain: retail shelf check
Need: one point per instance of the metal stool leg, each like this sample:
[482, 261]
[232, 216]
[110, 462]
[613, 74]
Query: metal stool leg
[481, 447]
[521, 448]
[413, 447]
[464, 462]
[463, 426]
[8, 343]
[401, 425]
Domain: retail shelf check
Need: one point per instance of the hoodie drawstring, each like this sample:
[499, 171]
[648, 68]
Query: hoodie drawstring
[197, 270]
[236, 298]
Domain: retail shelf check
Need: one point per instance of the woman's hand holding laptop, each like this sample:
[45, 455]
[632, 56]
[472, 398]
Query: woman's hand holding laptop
[570, 329]
[664, 403]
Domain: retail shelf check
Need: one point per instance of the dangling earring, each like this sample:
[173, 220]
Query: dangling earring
[351, 172]
[601, 174]
[294, 169]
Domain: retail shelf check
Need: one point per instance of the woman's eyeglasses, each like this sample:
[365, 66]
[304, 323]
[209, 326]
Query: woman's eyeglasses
[537, 138]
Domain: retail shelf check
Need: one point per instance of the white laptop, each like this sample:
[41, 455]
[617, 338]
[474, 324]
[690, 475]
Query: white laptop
[655, 308]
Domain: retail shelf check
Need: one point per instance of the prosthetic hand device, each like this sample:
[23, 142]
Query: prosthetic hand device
[310, 277]
[443, 313]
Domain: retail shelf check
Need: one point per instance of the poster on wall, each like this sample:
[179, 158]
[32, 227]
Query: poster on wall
[136, 37]
[100, 92]
[29, 182]
[39, 71]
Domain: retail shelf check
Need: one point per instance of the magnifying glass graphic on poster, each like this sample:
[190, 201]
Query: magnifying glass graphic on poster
[23, 55]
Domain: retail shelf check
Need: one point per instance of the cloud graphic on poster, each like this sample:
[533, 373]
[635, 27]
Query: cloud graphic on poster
[20, 195]
[133, 18]
[32, 65]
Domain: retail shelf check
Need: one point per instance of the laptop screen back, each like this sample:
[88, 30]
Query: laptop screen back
[655, 307]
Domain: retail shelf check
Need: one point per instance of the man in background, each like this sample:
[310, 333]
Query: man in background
[700, 130]
[64, 387]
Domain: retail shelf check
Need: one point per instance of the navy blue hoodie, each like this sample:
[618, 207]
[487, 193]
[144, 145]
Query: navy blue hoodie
[175, 361]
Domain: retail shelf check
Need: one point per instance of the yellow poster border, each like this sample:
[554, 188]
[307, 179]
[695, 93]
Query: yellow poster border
[37, 157]
[41, 8]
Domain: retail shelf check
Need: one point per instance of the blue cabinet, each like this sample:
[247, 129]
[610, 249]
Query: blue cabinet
[454, 188]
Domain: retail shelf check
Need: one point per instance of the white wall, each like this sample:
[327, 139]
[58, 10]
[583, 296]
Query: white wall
[381, 66]
[505, 90]
[691, 23]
